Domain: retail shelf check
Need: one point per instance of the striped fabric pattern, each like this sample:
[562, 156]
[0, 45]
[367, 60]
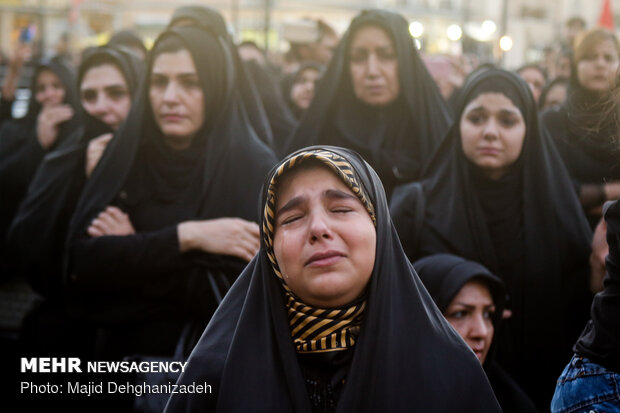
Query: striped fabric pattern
[316, 330]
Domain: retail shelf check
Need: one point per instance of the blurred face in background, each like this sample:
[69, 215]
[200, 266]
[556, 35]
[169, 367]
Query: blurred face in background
[49, 90]
[535, 80]
[105, 95]
[302, 91]
[374, 66]
[597, 69]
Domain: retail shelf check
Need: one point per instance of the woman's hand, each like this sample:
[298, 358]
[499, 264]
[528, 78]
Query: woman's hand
[48, 123]
[95, 150]
[112, 221]
[225, 236]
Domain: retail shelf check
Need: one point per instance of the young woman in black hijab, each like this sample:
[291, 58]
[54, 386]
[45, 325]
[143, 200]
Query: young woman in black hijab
[108, 80]
[583, 129]
[378, 99]
[472, 300]
[496, 192]
[150, 221]
[50, 120]
[330, 315]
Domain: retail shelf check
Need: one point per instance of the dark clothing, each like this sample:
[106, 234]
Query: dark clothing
[21, 153]
[444, 275]
[405, 355]
[585, 136]
[396, 139]
[142, 282]
[600, 340]
[527, 228]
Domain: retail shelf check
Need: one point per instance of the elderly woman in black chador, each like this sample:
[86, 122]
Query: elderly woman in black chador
[496, 192]
[50, 120]
[583, 129]
[472, 300]
[378, 99]
[330, 315]
[150, 221]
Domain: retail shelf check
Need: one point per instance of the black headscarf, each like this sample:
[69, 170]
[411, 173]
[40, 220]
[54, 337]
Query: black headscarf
[406, 355]
[396, 139]
[21, 152]
[210, 19]
[528, 228]
[443, 276]
[40, 226]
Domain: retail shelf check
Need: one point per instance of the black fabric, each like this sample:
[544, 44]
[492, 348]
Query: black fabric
[141, 283]
[406, 356]
[600, 340]
[21, 153]
[443, 276]
[396, 140]
[540, 248]
[40, 226]
[585, 133]
[211, 19]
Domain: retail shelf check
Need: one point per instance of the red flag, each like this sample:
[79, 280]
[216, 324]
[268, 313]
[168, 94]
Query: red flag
[607, 17]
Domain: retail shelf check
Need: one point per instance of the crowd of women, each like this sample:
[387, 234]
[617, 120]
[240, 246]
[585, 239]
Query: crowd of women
[361, 246]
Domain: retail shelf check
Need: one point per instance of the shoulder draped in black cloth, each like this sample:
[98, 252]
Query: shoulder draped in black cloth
[443, 276]
[211, 19]
[405, 355]
[396, 139]
[528, 228]
[40, 226]
[600, 340]
[142, 279]
[585, 131]
[21, 152]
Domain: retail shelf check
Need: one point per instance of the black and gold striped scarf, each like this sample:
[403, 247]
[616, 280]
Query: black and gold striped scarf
[316, 330]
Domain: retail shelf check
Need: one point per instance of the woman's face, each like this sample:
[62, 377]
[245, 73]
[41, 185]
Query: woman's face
[48, 88]
[105, 95]
[471, 313]
[535, 80]
[555, 96]
[492, 133]
[324, 238]
[596, 71]
[177, 98]
[374, 66]
[302, 91]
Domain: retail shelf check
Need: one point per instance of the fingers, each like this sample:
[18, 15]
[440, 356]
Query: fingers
[111, 221]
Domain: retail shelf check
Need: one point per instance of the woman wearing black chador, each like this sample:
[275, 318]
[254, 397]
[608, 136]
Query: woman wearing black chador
[496, 192]
[378, 99]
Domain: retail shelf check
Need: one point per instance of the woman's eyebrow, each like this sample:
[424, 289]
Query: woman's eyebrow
[293, 203]
[338, 194]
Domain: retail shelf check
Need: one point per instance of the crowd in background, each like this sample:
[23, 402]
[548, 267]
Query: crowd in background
[131, 201]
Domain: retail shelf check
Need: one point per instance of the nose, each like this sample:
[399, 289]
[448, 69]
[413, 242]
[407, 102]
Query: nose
[171, 95]
[479, 327]
[373, 65]
[319, 228]
[491, 130]
[101, 105]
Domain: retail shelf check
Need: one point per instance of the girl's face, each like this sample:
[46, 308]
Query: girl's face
[105, 95]
[48, 88]
[324, 240]
[471, 314]
[177, 98]
[302, 91]
[596, 71]
[492, 133]
[374, 66]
